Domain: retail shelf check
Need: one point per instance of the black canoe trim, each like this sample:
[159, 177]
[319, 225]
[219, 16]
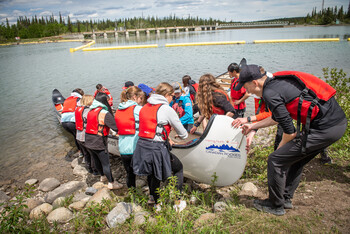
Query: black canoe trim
[57, 97]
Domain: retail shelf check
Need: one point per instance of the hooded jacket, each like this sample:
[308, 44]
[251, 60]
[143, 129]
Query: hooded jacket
[167, 115]
[70, 116]
[97, 142]
[127, 143]
[187, 106]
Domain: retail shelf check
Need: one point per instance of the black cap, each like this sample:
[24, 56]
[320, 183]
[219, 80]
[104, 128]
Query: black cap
[248, 73]
[128, 84]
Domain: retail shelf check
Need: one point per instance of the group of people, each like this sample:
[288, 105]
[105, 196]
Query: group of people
[145, 116]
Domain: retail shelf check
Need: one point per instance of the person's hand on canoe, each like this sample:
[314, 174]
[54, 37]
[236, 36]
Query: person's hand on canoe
[238, 122]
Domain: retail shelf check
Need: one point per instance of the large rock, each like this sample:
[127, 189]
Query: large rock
[100, 195]
[140, 183]
[220, 207]
[91, 191]
[248, 189]
[204, 218]
[119, 214]
[31, 181]
[3, 197]
[49, 184]
[41, 210]
[60, 215]
[80, 171]
[64, 190]
[32, 203]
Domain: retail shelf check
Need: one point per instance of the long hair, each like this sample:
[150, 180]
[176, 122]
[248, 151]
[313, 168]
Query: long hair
[207, 84]
[103, 98]
[164, 88]
[130, 92]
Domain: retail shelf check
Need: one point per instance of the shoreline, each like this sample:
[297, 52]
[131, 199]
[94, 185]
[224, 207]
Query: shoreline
[79, 37]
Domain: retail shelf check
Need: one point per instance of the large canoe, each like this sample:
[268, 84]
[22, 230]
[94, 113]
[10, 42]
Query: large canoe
[219, 150]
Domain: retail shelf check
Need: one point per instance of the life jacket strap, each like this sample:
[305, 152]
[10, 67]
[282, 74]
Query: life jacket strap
[308, 123]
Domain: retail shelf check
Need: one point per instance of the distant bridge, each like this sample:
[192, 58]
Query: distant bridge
[177, 29]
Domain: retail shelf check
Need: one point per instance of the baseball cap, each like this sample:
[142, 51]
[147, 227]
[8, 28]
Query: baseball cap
[128, 84]
[248, 73]
[176, 87]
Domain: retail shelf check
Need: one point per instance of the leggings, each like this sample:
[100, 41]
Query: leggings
[102, 164]
[130, 176]
[89, 160]
[70, 127]
[177, 169]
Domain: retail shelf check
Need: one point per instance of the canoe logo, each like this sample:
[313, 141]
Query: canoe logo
[224, 150]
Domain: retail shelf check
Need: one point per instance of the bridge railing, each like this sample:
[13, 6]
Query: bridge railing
[277, 23]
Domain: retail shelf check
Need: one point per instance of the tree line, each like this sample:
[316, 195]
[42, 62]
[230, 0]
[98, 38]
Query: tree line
[38, 27]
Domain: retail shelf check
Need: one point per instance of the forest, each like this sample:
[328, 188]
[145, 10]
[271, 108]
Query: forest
[39, 27]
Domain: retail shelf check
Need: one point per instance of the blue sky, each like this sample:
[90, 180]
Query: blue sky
[243, 10]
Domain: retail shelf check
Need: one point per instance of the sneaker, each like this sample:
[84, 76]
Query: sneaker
[103, 178]
[114, 185]
[288, 204]
[180, 205]
[89, 169]
[266, 206]
[151, 200]
[83, 161]
[325, 159]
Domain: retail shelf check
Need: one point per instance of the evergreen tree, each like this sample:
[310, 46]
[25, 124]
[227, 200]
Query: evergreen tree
[70, 26]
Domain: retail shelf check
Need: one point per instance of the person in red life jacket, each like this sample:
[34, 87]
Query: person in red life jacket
[81, 113]
[152, 157]
[191, 88]
[127, 120]
[212, 99]
[102, 89]
[238, 96]
[99, 120]
[182, 105]
[68, 113]
[307, 99]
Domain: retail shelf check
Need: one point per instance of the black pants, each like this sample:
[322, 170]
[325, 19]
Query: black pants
[70, 127]
[89, 160]
[130, 176]
[177, 169]
[285, 165]
[101, 159]
[278, 139]
[239, 113]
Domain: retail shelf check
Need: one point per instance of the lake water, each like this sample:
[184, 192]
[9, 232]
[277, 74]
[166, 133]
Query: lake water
[30, 133]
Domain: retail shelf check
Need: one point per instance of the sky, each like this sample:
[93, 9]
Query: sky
[242, 10]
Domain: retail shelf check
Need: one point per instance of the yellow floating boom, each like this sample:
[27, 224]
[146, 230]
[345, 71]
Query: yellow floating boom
[81, 47]
[122, 47]
[205, 43]
[348, 38]
[296, 40]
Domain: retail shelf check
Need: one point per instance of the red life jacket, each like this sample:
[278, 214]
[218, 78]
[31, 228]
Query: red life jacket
[79, 119]
[316, 87]
[106, 91]
[178, 109]
[237, 95]
[148, 122]
[93, 125]
[305, 111]
[218, 110]
[193, 93]
[70, 104]
[125, 121]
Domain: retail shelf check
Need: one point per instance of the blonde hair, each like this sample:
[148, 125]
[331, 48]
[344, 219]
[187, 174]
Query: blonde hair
[86, 100]
[164, 88]
[206, 85]
[130, 92]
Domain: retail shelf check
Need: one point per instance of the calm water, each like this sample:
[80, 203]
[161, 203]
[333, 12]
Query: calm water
[29, 130]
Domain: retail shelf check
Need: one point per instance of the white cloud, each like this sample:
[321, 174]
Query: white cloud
[36, 9]
[45, 13]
